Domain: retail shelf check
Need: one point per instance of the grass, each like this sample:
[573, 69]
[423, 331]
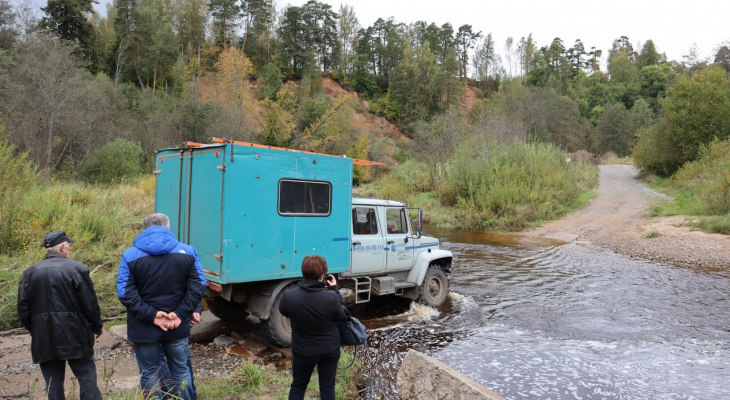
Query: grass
[262, 381]
[701, 189]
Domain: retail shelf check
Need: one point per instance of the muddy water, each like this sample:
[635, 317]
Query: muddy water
[545, 320]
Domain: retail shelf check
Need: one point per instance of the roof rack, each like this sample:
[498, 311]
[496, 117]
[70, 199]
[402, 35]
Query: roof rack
[355, 161]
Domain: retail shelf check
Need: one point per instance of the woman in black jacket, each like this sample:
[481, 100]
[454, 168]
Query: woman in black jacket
[314, 308]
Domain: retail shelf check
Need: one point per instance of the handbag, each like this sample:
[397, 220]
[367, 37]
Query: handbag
[352, 331]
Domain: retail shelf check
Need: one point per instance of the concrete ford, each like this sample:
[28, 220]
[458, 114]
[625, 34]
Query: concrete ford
[254, 212]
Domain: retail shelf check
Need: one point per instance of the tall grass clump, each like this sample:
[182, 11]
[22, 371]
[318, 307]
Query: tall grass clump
[510, 186]
[707, 183]
[102, 219]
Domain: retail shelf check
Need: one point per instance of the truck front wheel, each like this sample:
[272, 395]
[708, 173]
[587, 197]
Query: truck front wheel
[279, 326]
[435, 287]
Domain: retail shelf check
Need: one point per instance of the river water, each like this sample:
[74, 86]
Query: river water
[535, 319]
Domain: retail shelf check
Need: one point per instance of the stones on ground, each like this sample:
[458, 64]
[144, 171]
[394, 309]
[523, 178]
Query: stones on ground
[224, 341]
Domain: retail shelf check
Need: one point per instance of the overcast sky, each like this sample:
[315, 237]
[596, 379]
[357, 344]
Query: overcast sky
[673, 25]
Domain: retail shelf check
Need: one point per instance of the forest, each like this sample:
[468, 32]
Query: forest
[90, 98]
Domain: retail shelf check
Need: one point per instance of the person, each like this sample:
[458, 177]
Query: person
[314, 308]
[161, 283]
[57, 304]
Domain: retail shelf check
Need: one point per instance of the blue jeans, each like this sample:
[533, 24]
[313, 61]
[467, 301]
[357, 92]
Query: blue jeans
[165, 377]
[176, 353]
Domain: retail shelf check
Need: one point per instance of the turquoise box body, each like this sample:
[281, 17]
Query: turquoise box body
[253, 213]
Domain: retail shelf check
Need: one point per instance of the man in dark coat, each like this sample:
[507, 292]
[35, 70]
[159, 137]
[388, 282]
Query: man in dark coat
[57, 304]
[161, 283]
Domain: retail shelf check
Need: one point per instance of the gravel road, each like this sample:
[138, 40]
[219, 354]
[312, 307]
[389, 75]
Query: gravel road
[618, 219]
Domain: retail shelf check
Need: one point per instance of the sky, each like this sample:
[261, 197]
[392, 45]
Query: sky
[674, 26]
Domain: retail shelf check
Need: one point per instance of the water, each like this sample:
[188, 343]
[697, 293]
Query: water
[535, 319]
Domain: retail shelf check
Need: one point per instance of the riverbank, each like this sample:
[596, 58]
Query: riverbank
[618, 219]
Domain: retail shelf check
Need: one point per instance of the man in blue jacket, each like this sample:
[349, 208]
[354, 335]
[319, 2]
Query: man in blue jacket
[161, 283]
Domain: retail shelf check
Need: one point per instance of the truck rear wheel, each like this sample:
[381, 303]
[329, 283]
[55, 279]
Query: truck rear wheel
[226, 310]
[435, 287]
[279, 326]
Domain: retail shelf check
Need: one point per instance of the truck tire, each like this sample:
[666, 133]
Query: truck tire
[226, 310]
[279, 326]
[435, 287]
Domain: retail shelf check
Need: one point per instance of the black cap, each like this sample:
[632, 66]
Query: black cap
[55, 238]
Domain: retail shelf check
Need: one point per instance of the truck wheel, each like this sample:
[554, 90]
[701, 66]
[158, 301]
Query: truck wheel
[279, 326]
[226, 310]
[435, 287]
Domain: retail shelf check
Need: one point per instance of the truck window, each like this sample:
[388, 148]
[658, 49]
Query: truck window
[364, 221]
[304, 198]
[396, 219]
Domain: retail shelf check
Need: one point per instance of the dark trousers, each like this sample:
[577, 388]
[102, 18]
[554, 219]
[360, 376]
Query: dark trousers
[54, 372]
[302, 368]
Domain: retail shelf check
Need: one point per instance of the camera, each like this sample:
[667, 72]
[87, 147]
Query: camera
[325, 281]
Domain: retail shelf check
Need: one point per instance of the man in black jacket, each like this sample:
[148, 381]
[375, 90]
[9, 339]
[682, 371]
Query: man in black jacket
[57, 304]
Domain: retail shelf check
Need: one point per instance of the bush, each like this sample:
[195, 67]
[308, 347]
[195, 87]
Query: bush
[17, 177]
[115, 161]
[511, 186]
[656, 151]
[709, 178]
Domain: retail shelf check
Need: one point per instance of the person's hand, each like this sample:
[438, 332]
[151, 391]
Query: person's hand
[173, 320]
[330, 279]
[195, 319]
[162, 320]
[100, 333]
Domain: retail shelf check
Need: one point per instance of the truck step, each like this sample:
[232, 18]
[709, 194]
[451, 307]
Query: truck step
[362, 289]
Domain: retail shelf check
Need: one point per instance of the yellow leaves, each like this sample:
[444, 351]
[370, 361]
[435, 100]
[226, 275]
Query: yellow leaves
[231, 77]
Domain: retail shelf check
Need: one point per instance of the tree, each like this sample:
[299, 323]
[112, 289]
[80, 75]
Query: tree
[8, 18]
[722, 57]
[48, 83]
[465, 39]
[649, 55]
[190, 21]
[348, 27]
[486, 63]
[696, 109]
[258, 19]
[307, 29]
[526, 50]
[225, 14]
[67, 19]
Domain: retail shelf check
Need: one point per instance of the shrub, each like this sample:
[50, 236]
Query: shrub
[17, 177]
[709, 178]
[656, 151]
[113, 162]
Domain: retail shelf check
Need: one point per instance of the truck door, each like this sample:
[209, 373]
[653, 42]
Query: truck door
[400, 246]
[368, 252]
[204, 209]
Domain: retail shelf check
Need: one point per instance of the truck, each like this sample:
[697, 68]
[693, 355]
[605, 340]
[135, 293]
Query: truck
[254, 212]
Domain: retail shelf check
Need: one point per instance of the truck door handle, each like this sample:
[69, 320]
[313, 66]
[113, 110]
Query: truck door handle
[356, 243]
[391, 241]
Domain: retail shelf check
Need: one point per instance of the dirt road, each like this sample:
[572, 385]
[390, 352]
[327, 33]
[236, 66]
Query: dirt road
[618, 219]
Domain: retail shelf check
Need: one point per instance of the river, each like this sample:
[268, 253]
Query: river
[539, 319]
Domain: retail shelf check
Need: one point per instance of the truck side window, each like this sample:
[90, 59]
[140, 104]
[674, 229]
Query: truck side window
[309, 198]
[364, 221]
[396, 219]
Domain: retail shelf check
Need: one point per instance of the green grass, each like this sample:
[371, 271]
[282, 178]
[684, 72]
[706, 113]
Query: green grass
[258, 381]
[102, 219]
